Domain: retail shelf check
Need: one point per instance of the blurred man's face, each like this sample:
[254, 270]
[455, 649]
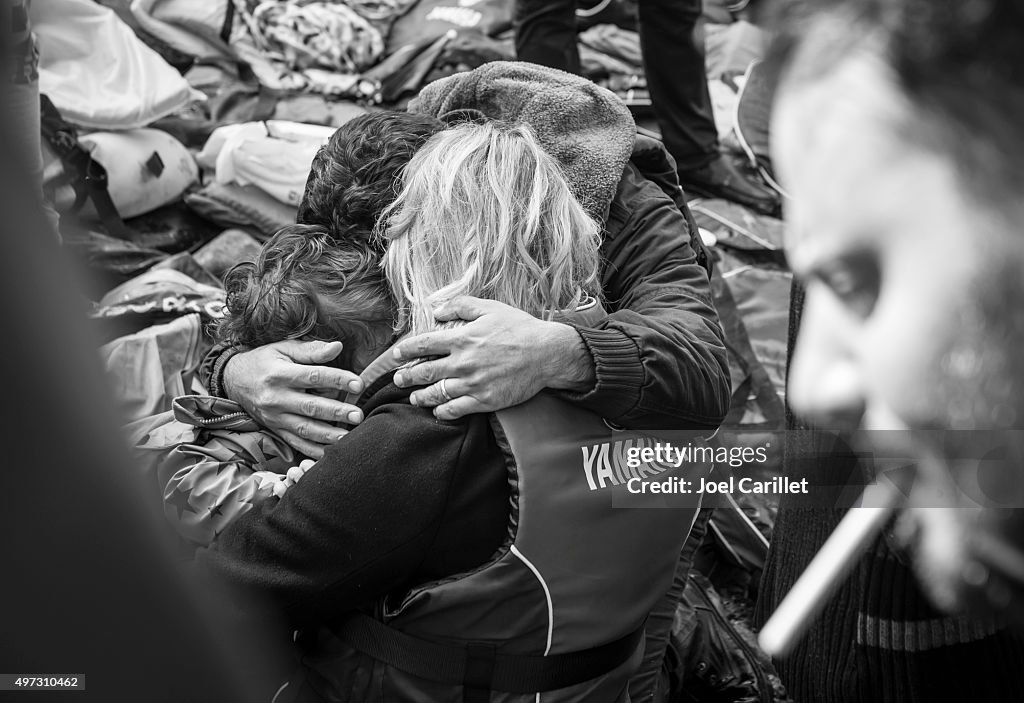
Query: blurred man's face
[913, 315]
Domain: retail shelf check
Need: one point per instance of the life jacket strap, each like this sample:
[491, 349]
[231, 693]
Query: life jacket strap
[478, 666]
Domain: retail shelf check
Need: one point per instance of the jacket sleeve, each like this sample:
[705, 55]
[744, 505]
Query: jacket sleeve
[210, 483]
[659, 357]
[211, 370]
[335, 541]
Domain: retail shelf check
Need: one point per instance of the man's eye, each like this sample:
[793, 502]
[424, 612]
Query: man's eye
[856, 287]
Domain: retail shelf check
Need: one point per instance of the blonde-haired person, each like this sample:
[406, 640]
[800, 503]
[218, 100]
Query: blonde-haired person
[486, 212]
[443, 560]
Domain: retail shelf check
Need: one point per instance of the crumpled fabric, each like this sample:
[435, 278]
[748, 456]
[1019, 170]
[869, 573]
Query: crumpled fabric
[233, 205]
[192, 27]
[730, 48]
[714, 658]
[291, 46]
[274, 156]
[148, 369]
[98, 73]
[738, 227]
[620, 44]
[212, 464]
[761, 295]
[160, 294]
[756, 401]
[381, 13]
[316, 47]
[315, 35]
[112, 260]
[596, 64]
[753, 115]
[428, 20]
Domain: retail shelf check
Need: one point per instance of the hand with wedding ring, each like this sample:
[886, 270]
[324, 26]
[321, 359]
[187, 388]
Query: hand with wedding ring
[444, 391]
[500, 358]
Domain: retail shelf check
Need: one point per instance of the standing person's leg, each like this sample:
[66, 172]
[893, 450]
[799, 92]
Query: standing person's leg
[546, 33]
[674, 65]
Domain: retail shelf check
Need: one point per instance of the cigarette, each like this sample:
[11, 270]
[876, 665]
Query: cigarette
[829, 568]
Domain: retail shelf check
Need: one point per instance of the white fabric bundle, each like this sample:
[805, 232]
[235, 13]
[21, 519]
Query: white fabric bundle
[98, 73]
[274, 156]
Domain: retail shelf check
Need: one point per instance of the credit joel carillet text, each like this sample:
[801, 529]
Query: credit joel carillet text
[638, 465]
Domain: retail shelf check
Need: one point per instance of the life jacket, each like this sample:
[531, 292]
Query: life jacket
[558, 613]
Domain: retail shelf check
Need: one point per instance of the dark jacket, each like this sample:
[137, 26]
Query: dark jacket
[659, 356]
[446, 491]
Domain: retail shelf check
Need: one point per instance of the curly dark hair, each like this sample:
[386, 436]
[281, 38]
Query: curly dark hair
[304, 284]
[356, 174]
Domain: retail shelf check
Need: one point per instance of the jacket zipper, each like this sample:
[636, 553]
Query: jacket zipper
[223, 418]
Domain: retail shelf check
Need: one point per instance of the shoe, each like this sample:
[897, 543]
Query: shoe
[722, 179]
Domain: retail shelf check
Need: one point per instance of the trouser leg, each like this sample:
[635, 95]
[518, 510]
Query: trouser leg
[546, 33]
[674, 66]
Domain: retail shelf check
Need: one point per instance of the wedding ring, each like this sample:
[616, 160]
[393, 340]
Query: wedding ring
[444, 390]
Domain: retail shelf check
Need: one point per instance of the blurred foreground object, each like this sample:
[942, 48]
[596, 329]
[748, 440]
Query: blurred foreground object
[896, 129]
[89, 585]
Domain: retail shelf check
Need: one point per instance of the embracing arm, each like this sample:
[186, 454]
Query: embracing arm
[271, 383]
[658, 361]
[659, 357]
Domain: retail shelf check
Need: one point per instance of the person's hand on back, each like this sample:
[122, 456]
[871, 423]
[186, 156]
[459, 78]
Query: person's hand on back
[501, 358]
[275, 385]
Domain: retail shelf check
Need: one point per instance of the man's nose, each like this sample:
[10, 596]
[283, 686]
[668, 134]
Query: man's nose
[825, 384]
